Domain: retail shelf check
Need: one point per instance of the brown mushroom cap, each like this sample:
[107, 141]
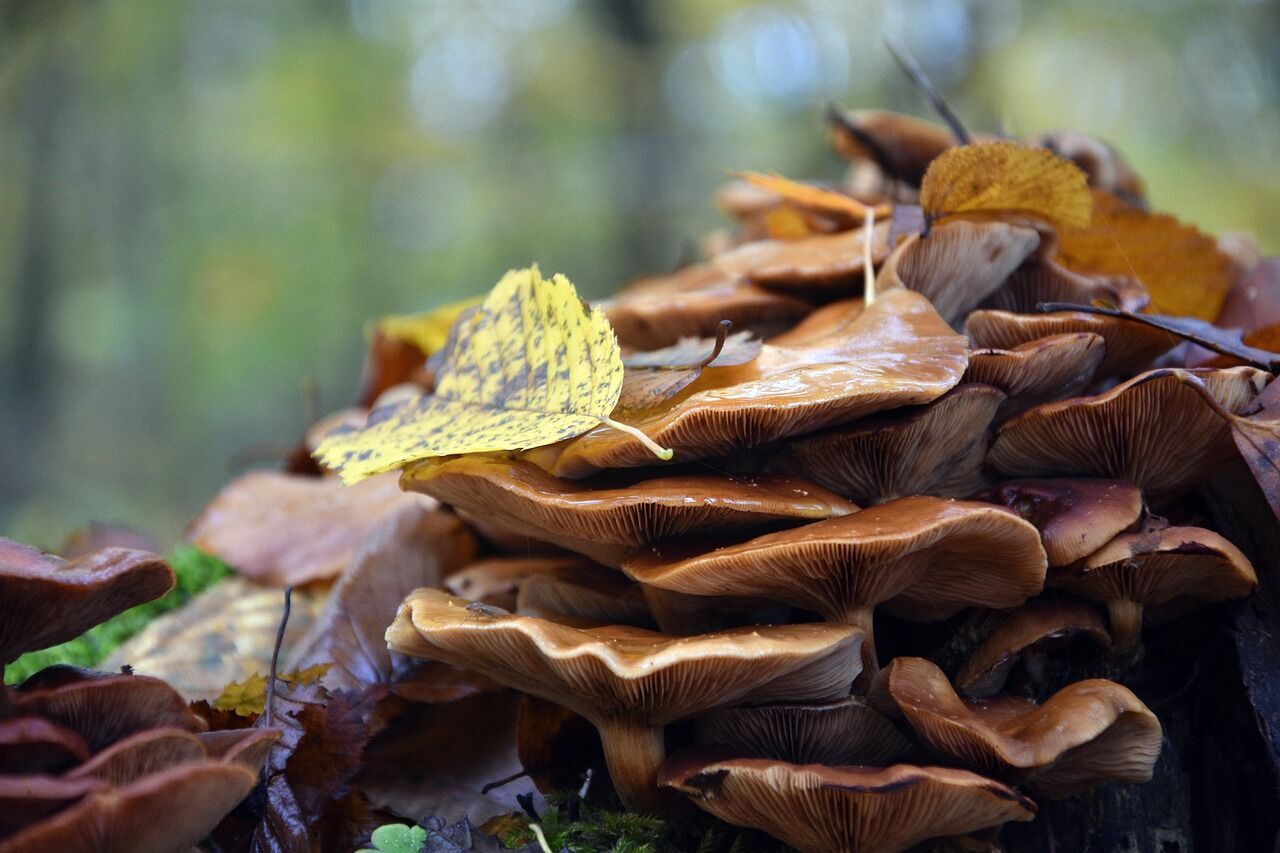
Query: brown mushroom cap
[1129, 347]
[588, 592]
[1172, 570]
[898, 352]
[1075, 517]
[937, 449]
[140, 754]
[825, 263]
[607, 524]
[847, 731]
[920, 557]
[903, 146]
[1045, 280]
[957, 265]
[26, 800]
[629, 682]
[682, 615]
[1037, 371]
[819, 809]
[656, 312]
[35, 745]
[1106, 167]
[497, 580]
[1157, 431]
[45, 600]
[1038, 622]
[1087, 733]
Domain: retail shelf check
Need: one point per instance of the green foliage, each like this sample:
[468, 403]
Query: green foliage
[196, 572]
[397, 838]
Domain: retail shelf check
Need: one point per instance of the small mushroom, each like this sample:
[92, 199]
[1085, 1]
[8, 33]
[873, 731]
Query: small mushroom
[1105, 166]
[587, 592]
[817, 265]
[936, 449]
[921, 558]
[36, 745]
[1087, 733]
[820, 809]
[1164, 573]
[496, 580]
[45, 600]
[607, 524]
[1032, 627]
[1038, 371]
[1128, 347]
[902, 146]
[958, 265]
[1157, 431]
[627, 681]
[898, 352]
[1042, 279]
[847, 731]
[656, 312]
[1074, 517]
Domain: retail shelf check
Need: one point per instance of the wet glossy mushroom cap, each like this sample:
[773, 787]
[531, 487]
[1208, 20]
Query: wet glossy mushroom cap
[819, 809]
[1075, 517]
[921, 558]
[45, 600]
[822, 264]
[1035, 625]
[1042, 279]
[36, 745]
[959, 264]
[629, 682]
[1171, 571]
[1128, 347]
[608, 524]
[656, 312]
[1037, 371]
[847, 731]
[936, 449]
[1088, 733]
[1157, 431]
[898, 352]
[592, 593]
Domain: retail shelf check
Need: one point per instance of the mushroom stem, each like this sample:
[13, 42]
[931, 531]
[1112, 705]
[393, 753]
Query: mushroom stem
[1126, 623]
[864, 618]
[634, 751]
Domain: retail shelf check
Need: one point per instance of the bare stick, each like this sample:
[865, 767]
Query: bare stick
[275, 653]
[913, 70]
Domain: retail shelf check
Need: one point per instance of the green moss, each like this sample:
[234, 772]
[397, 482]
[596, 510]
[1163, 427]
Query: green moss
[196, 572]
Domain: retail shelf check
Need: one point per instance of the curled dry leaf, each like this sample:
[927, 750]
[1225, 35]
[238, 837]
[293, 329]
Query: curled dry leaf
[286, 530]
[532, 366]
[1006, 178]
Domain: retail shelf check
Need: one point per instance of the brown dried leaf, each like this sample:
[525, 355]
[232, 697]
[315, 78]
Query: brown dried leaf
[1183, 269]
[1257, 437]
[1006, 178]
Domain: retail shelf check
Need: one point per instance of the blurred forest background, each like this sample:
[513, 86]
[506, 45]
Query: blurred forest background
[203, 201]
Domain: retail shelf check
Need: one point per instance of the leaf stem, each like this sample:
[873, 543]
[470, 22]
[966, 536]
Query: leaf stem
[868, 270]
[663, 453]
[542, 839]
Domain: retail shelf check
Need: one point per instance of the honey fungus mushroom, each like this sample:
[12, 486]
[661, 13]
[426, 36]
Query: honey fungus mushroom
[920, 558]
[630, 682]
[607, 524]
[819, 809]
[1168, 572]
[1037, 371]
[1087, 733]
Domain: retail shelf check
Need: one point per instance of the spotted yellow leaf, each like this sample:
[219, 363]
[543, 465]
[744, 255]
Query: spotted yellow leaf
[429, 330]
[1004, 177]
[248, 697]
[533, 365]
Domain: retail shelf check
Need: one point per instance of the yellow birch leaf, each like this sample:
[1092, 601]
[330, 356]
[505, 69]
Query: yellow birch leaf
[533, 365]
[1004, 177]
[428, 330]
[250, 696]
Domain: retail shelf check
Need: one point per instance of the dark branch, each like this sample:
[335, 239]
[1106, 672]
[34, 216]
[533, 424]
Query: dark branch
[913, 70]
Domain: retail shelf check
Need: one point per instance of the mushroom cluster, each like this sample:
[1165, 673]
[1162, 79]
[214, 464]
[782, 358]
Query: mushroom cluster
[908, 444]
[92, 761]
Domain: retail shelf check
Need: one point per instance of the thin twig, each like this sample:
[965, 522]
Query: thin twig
[913, 70]
[275, 653]
[500, 782]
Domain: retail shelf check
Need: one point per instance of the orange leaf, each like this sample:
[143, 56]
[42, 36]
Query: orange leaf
[810, 196]
[1004, 177]
[1182, 268]
[786, 223]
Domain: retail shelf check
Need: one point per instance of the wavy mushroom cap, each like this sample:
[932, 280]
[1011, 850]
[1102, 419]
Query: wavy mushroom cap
[614, 670]
[820, 809]
[1075, 517]
[821, 264]
[607, 524]
[1037, 371]
[1087, 733]
[587, 592]
[497, 580]
[1128, 347]
[1034, 625]
[1044, 280]
[898, 352]
[45, 600]
[847, 731]
[957, 265]
[921, 557]
[36, 745]
[657, 312]
[937, 449]
[1158, 431]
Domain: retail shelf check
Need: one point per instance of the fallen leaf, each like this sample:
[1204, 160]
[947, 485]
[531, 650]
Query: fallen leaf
[1182, 268]
[784, 222]
[534, 365]
[812, 196]
[1006, 178]
[248, 697]
[287, 530]
[557, 746]
[429, 330]
[1257, 437]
